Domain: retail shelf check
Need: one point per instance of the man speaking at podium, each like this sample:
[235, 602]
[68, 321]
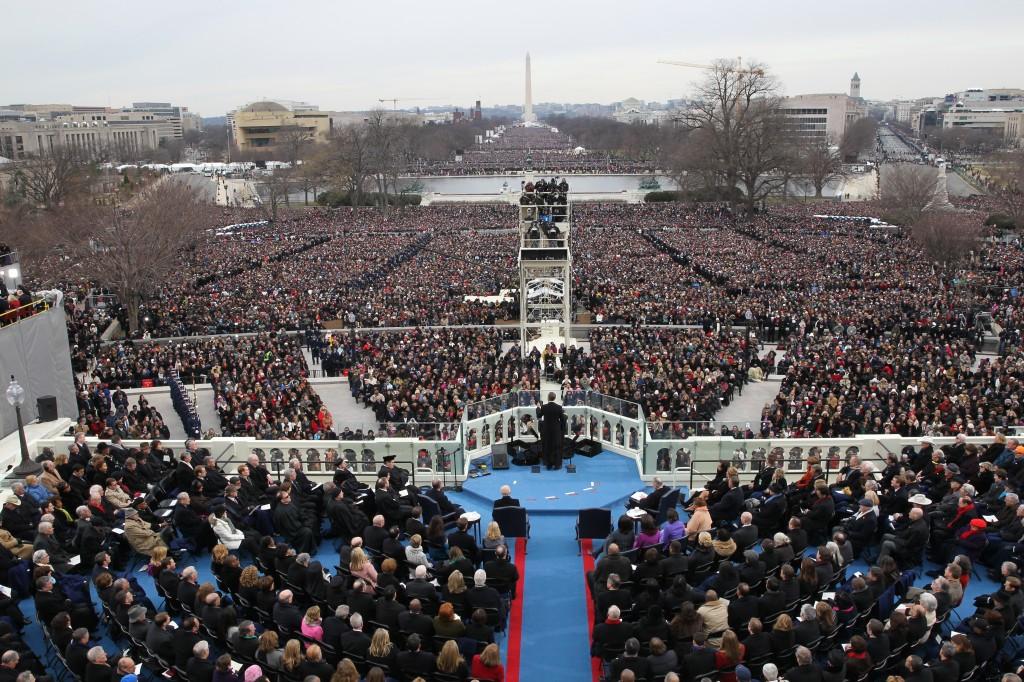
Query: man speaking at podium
[552, 429]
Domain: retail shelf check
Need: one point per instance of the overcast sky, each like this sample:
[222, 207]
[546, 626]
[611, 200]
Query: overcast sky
[215, 55]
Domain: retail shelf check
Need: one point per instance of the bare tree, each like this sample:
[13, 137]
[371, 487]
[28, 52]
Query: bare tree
[132, 249]
[859, 135]
[292, 141]
[946, 237]
[385, 154]
[49, 179]
[819, 162]
[347, 161]
[309, 175]
[1007, 184]
[907, 189]
[273, 191]
[736, 110]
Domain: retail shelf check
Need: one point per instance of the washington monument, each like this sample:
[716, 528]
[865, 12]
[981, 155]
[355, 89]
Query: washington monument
[528, 115]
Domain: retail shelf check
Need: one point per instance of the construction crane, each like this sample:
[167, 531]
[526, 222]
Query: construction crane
[395, 100]
[738, 69]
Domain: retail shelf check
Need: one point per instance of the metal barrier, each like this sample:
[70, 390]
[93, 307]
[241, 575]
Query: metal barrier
[13, 315]
[694, 461]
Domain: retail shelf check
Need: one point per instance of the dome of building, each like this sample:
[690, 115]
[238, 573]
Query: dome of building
[264, 106]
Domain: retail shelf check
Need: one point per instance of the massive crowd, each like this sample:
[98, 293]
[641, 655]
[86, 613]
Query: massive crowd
[852, 306]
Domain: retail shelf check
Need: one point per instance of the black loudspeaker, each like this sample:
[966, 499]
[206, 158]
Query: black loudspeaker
[588, 447]
[46, 406]
[499, 456]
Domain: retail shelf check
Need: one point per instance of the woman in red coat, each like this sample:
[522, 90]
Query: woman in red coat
[487, 665]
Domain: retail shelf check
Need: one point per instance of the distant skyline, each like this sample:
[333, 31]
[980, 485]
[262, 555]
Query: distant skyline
[213, 57]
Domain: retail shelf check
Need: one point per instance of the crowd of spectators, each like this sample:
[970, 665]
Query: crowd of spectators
[756, 583]
[404, 598]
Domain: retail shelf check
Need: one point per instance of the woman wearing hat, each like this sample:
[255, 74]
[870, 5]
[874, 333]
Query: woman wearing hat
[971, 540]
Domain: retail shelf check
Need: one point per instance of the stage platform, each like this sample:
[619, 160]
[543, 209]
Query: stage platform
[602, 481]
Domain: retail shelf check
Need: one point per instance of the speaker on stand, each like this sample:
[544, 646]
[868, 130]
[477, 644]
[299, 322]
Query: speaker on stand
[499, 456]
[46, 406]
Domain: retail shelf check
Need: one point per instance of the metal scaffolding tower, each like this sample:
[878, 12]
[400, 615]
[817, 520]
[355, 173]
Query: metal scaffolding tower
[545, 272]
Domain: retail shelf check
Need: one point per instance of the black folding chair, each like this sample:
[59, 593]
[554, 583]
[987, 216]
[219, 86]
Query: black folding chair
[592, 524]
[513, 521]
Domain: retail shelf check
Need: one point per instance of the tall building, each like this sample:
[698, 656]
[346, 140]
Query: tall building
[528, 115]
[823, 116]
[855, 86]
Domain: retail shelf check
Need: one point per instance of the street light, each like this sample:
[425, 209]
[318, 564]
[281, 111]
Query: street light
[16, 398]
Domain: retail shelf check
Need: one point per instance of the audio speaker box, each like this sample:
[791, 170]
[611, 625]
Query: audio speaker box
[46, 406]
[499, 456]
[588, 447]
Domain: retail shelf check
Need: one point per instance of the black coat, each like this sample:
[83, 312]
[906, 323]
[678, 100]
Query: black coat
[467, 543]
[729, 507]
[552, 426]
[199, 670]
[183, 641]
[741, 610]
[416, 664]
[804, 673]
[355, 644]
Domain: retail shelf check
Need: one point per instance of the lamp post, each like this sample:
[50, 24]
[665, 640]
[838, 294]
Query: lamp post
[16, 397]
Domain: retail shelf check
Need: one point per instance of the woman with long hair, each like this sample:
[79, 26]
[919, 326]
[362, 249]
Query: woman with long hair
[783, 636]
[382, 650]
[437, 539]
[312, 624]
[361, 567]
[455, 591]
[267, 650]
[450, 661]
[487, 665]
[686, 623]
[808, 578]
[231, 573]
[826, 618]
[292, 658]
[155, 559]
[493, 538]
[729, 655]
[346, 671]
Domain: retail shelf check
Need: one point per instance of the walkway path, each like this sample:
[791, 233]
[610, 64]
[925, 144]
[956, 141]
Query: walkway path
[208, 416]
[343, 407]
[747, 407]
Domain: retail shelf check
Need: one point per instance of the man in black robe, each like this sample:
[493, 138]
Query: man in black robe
[552, 430]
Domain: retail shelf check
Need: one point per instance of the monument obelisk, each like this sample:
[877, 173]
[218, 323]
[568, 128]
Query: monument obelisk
[528, 115]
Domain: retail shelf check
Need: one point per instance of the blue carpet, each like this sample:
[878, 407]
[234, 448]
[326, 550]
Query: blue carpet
[602, 481]
[555, 640]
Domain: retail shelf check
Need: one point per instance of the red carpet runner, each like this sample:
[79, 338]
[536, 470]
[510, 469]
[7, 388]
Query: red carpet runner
[515, 620]
[586, 548]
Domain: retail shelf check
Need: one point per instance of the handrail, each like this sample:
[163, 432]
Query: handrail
[13, 315]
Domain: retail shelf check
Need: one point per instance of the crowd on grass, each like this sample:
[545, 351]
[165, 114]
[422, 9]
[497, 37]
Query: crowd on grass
[872, 336]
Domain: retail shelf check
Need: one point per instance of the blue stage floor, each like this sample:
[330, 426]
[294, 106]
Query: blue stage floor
[602, 481]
